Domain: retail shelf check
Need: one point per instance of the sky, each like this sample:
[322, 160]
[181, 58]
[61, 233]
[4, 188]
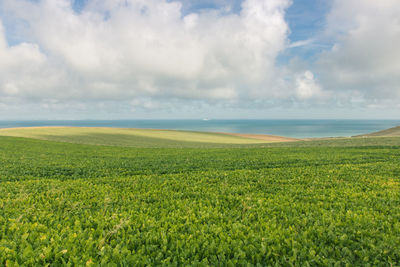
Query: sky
[192, 59]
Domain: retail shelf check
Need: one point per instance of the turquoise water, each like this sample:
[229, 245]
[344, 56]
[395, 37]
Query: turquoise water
[290, 128]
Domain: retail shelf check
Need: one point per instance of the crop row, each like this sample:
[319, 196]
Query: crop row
[224, 207]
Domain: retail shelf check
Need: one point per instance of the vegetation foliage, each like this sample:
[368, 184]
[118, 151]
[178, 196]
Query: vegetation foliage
[74, 204]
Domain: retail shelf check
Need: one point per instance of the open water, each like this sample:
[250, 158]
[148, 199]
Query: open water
[290, 128]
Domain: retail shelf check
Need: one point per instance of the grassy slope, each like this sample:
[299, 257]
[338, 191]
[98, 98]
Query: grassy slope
[129, 137]
[142, 138]
[342, 142]
[79, 204]
[395, 131]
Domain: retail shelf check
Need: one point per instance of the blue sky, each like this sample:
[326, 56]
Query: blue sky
[306, 18]
[60, 59]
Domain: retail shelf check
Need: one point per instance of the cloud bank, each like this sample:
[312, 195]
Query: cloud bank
[158, 54]
[119, 50]
[363, 65]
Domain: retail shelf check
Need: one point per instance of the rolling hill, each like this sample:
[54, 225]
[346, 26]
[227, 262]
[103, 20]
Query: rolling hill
[138, 137]
[391, 132]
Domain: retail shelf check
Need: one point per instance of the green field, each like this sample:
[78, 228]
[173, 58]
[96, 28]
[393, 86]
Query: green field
[129, 137]
[148, 200]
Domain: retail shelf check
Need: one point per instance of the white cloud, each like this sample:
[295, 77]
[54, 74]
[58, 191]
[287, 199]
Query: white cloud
[23, 69]
[365, 58]
[123, 50]
[306, 86]
[301, 43]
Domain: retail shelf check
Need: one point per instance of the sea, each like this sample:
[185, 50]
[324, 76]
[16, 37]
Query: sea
[289, 128]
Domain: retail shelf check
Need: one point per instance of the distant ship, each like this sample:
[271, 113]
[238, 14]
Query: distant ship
[205, 119]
